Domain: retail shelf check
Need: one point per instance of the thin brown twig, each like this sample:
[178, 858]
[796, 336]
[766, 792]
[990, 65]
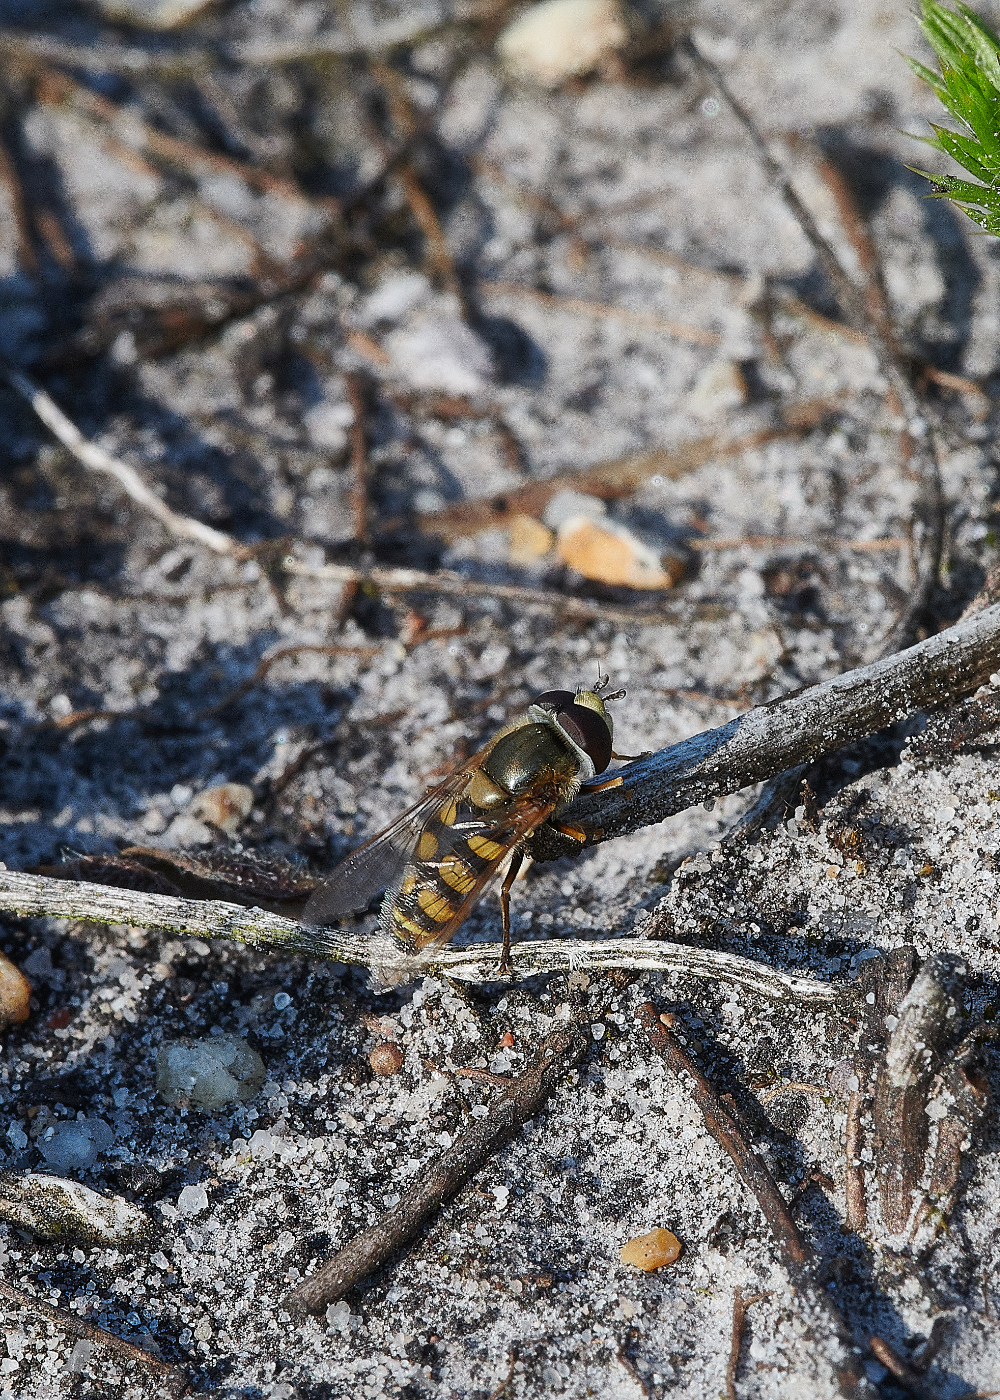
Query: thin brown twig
[59, 89]
[884, 545]
[962, 384]
[118, 140]
[498, 1081]
[439, 261]
[621, 476]
[740, 1305]
[172, 1380]
[793, 1088]
[271, 659]
[856, 1200]
[859, 236]
[625, 1361]
[499, 1389]
[901, 1371]
[919, 443]
[11, 180]
[356, 397]
[601, 311]
[454, 406]
[451, 582]
[373, 1248]
[109, 57]
[798, 1257]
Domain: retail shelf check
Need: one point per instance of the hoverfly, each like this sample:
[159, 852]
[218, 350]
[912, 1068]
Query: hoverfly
[437, 860]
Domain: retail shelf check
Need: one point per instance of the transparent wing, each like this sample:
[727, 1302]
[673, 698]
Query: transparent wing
[378, 864]
[505, 830]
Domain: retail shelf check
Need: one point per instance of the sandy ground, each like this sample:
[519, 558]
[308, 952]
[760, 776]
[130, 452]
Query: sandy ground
[247, 428]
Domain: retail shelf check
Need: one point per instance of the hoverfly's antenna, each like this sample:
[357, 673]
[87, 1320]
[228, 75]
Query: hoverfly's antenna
[602, 681]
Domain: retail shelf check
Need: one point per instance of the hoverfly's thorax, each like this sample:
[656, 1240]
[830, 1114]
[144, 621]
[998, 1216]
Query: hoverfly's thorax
[519, 758]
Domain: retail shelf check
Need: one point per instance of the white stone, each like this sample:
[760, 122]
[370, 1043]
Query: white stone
[209, 1073]
[192, 1200]
[54, 1208]
[439, 352]
[718, 390]
[560, 39]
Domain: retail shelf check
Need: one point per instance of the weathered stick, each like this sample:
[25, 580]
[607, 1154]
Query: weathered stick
[172, 1381]
[831, 1333]
[36, 895]
[771, 738]
[373, 1248]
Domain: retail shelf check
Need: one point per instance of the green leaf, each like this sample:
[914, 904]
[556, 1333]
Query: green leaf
[968, 88]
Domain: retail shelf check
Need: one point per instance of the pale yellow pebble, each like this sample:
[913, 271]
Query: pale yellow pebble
[653, 1251]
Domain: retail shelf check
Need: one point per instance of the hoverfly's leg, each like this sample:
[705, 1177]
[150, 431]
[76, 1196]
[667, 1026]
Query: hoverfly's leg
[631, 757]
[614, 782]
[506, 968]
[575, 833]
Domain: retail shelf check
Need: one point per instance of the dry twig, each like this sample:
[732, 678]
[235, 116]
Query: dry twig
[95, 459]
[783, 734]
[170, 1379]
[855, 1198]
[359, 457]
[165, 57]
[448, 581]
[373, 1248]
[867, 313]
[263, 666]
[902, 1373]
[10, 178]
[797, 1256]
[740, 1305]
[620, 477]
[601, 311]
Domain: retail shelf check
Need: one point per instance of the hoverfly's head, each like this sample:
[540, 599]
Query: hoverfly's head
[584, 720]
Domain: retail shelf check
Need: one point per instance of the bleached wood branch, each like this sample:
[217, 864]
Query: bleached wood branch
[784, 733]
[36, 895]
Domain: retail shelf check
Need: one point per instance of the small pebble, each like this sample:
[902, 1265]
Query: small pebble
[209, 1073]
[652, 1251]
[153, 14]
[226, 806]
[528, 540]
[192, 1200]
[560, 39]
[719, 389]
[608, 552]
[15, 994]
[75, 1144]
[386, 1059]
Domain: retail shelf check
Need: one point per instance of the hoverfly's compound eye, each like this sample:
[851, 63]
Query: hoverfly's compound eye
[589, 730]
[554, 700]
